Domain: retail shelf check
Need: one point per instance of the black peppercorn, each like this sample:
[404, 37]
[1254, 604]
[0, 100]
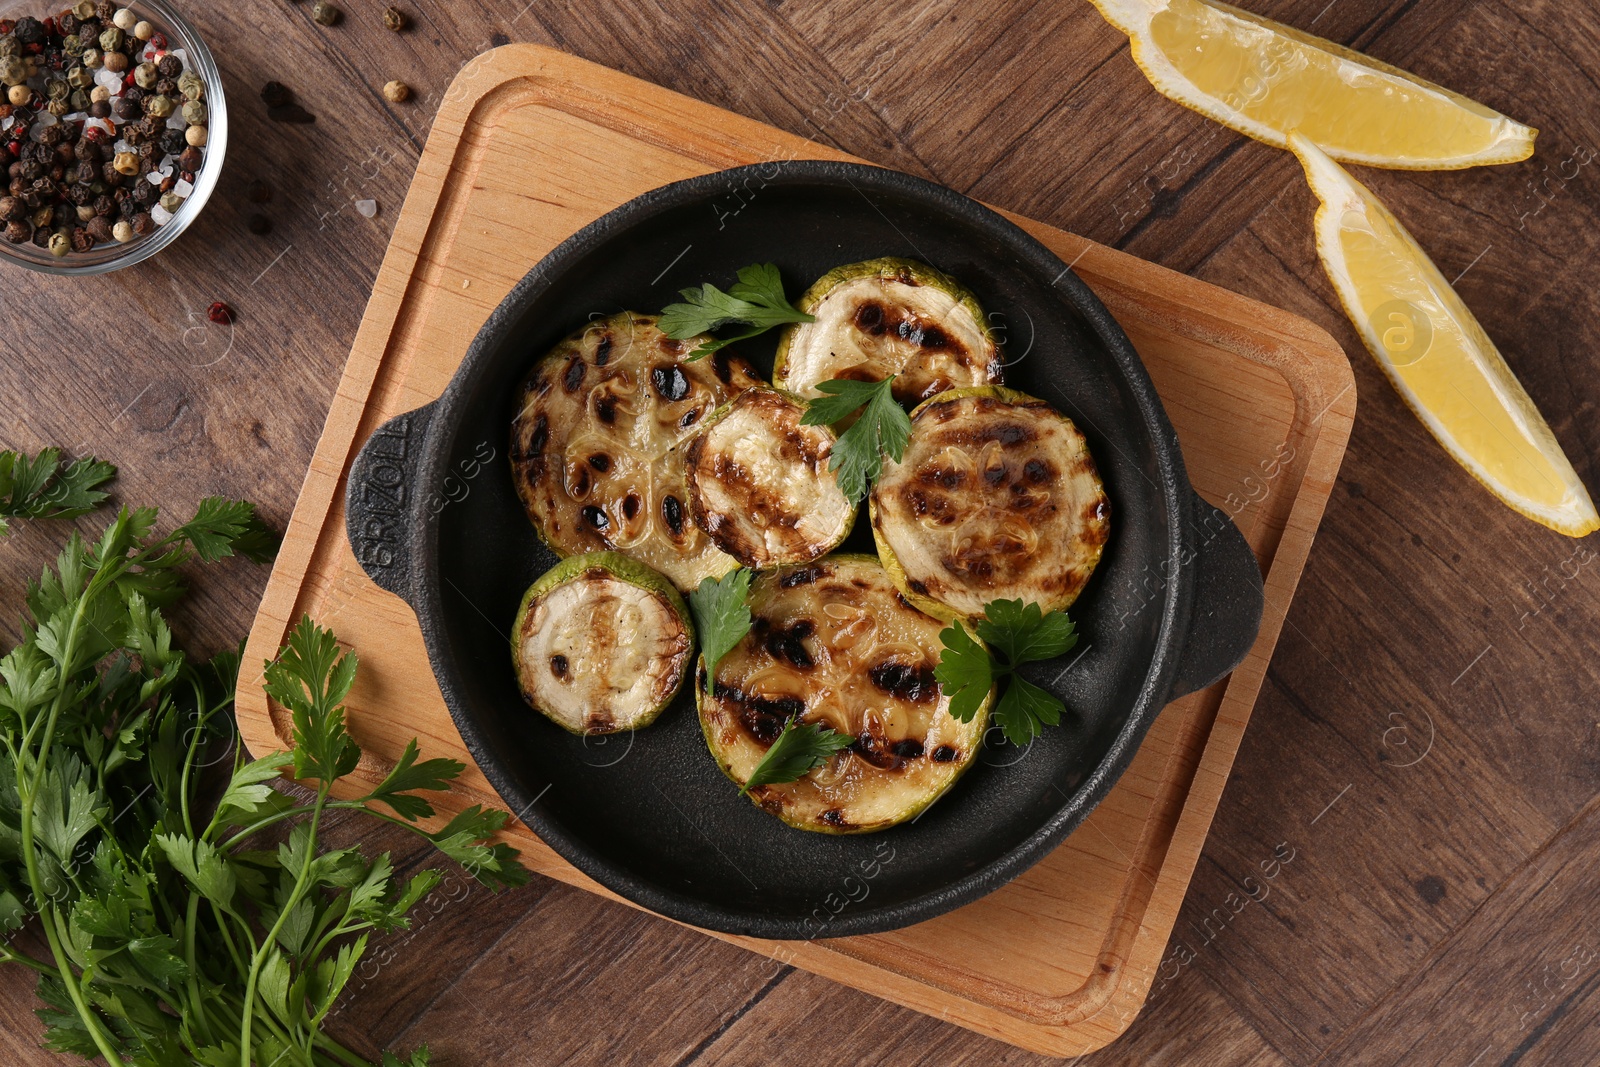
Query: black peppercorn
[104, 206]
[12, 209]
[19, 231]
[190, 158]
[86, 172]
[100, 109]
[105, 10]
[86, 151]
[143, 223]
[146, 194]
[41, 236]
[29, 30]
[126, 107]
[110, 174]
[82, 240]
[99, 228]
[170, 66]
[67, 23]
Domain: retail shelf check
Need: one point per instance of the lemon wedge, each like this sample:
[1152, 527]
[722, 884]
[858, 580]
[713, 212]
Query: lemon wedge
[1437, 355]
[1264, 79]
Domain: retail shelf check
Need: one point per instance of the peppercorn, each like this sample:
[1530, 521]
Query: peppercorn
[171, 202]
[115, 61]
[18, 231]
[220, 313]
[259, 225]
[105, 10]
[145, 194]
[99, 228]
[395, 19]
[191, 85]
[85, 211]
[58, 108]
[84, 9]
[12, 209]
[125, 19]
[10, 47]
[104, 206]
[92, 58]
[158, 106]
[170, 66]
[19, 95]
[13, 69]
[82, 240]
[126, 164]
[258, 192]
[122, 232]
[396, 91]
[111, 175]
[195, 135]
[29, 30]
[126, 107]
[100, 109]
[143, 30]
[79, 100]
[41, 237]
[86, 151]
[190, 158]
[60, 245]
[86, 172]
[143, 224]
[80, 78]
[111, 40]
[145, 75]
[172, 142]
[74, 45]
[325, 13]
[195, 113]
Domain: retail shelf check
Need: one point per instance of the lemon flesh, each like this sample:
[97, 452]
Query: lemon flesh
[1437, 355]
[1264, 79]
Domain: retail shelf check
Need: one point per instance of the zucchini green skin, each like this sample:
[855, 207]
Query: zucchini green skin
[920, 374]
[737, 504]
[1071, 523]
[806, 805]
[614, 567]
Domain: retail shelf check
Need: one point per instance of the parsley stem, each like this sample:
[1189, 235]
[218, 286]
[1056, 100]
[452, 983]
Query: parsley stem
[259, 957]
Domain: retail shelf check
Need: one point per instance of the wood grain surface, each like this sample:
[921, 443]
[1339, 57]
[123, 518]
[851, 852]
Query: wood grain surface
[1420, 773]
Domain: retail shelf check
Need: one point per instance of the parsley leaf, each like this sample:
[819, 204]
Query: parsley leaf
[44, 487]
[883, 429]
[755, 300]
[798, 751]
[1017, 633]
[721, 617]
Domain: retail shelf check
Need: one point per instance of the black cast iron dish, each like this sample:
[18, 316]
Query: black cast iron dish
[433, 517]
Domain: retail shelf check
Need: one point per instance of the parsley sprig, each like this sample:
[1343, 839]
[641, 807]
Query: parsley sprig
[172, 936]
[46, 488]
[797, 752]
[1016, 633]
[883, 429]
[755, 300]
[721, 617]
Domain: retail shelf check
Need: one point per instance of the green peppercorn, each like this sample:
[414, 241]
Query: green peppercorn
[58, 108]
[171, 202]
[191, 85]
[79, 100]
[85, 212]
[159, 106]
[194, 113]
[80, 78]
[43, 217]
[60, 245]
[325, 13]
[13, 70]
[10, 46]
[84, 9]
[145, 75]
[112, 39]
[92, 58]
[73, 45]
[395, 19]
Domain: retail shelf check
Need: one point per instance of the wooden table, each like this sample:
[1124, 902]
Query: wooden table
[1419, 778]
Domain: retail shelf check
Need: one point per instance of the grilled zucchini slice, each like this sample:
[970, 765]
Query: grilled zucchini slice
[889, 316]
[996, 498]
[594, 444]
[760, 486]
[833, 643]
[601, 644]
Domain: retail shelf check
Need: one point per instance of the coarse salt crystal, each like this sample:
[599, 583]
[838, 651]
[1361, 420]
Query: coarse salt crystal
[160, 215]
[98, 124]
[183, 187]
[76, 116]
[122, 146]
[175, 121]
[108, 80]
[7, 122]
[154, 177]
[367, 208]
[181, 54]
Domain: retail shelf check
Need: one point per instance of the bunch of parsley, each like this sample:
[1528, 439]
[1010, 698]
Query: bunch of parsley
[171, 941]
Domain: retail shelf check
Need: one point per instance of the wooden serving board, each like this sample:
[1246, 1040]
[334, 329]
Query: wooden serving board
[531, 144]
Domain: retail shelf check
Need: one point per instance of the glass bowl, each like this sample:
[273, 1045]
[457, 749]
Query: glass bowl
[111, 256]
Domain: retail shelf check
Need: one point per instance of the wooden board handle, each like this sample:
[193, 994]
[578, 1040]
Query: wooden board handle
[384, 479]
[1228, 598]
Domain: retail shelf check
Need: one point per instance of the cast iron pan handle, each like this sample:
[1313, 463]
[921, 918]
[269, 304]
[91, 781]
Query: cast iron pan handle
[378, 498]
[1227, 602]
